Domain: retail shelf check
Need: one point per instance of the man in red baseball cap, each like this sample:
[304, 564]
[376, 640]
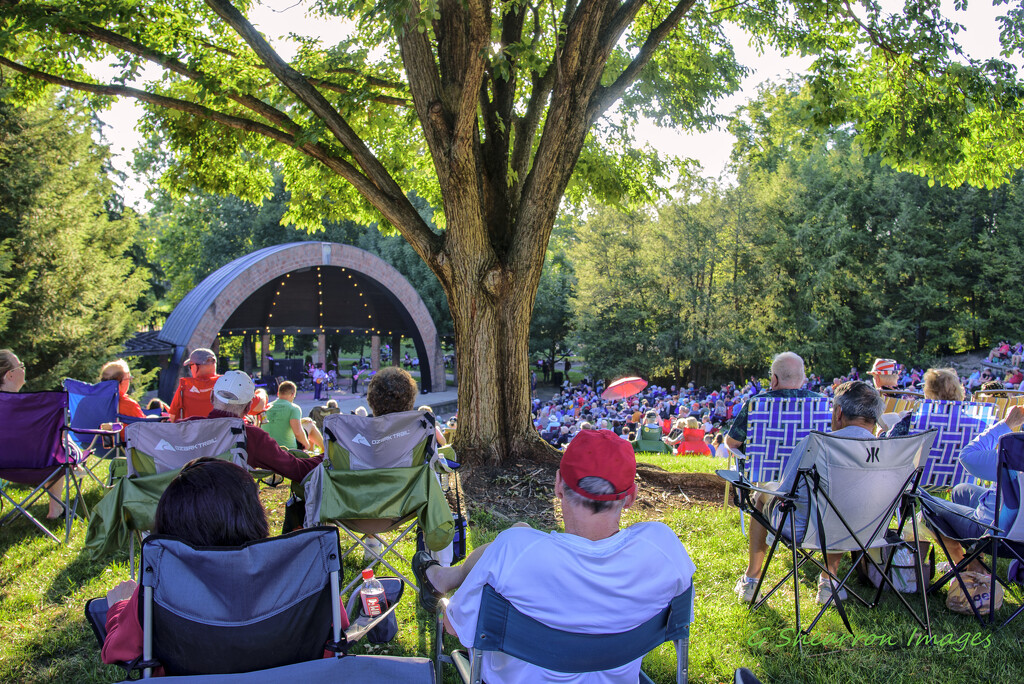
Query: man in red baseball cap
[593, 578]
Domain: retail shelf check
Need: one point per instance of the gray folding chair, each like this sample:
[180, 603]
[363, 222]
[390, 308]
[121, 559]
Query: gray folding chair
[851, 489]
[263, 612]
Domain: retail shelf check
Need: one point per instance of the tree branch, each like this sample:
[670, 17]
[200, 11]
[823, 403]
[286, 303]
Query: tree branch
[409, 223]
[116, 40]
[424, 84]
[604, 97]
[199, 110]
[338, 88]
[622, 18]
[372, 80]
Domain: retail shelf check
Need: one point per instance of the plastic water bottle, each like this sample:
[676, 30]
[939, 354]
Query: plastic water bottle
[372, 597]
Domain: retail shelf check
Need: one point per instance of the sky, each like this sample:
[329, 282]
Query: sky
[277, 18]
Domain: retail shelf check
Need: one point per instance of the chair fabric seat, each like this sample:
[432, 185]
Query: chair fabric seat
[361, 668]
[385, 493]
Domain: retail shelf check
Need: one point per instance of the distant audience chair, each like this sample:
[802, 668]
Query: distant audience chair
[649, 439]
[957, 423]
[35, 451]
[503, 628]
[1004, 400]
[898, 401]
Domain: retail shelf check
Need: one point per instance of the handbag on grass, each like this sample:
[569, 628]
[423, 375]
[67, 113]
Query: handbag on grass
[978, 587]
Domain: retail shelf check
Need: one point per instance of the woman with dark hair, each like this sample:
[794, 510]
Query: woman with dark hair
[210, 503]
[392, 390]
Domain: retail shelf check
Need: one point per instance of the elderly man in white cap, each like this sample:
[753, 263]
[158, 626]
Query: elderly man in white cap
[593, 575]
[232, 394]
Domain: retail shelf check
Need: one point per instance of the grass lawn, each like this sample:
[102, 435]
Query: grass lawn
[44, 636]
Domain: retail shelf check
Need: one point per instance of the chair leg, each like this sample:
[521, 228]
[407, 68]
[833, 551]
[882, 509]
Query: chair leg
[22, 508]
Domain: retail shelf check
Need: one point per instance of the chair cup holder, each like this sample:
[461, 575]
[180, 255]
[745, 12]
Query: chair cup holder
[384, 627]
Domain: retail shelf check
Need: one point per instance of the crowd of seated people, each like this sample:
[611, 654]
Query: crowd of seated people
[591, 429]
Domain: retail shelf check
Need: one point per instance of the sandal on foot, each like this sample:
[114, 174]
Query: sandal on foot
[429, 595]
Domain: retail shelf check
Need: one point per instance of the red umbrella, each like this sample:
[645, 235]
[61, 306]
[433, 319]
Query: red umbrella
[624, 387]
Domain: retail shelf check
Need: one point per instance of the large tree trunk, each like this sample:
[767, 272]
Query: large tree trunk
[492, 338]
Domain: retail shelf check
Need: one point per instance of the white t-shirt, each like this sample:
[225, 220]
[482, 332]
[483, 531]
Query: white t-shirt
[572, 583]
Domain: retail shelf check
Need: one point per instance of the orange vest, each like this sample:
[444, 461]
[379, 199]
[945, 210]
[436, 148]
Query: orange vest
[194, 397]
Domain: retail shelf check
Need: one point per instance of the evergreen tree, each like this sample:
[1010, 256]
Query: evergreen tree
[70, 292]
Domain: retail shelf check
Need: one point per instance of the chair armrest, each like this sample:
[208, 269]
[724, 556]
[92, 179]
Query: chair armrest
[740, 482]
[356, 632]
[84, 431]
[928, 513]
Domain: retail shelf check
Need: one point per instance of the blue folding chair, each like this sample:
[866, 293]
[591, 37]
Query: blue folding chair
[1005, 538]
[502, 628]
[957, 423]
[774, 426]
[35, 450]
[89, 407]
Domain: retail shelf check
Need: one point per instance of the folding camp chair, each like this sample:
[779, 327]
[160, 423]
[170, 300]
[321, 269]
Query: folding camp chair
[957, 423]
[650, 440]
[1009, 495]
[91, 407]
[774, 426]
[265, 611]
[1003, 399]
[378, 477]
[849, 489]
[898, 401]
[156, 452]
[502, 628]
[35, 450]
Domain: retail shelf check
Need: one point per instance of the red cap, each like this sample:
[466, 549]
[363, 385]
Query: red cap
[599, 453]
[367, 574]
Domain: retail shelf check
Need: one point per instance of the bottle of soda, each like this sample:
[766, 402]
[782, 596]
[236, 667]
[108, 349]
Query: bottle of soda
[373, 598]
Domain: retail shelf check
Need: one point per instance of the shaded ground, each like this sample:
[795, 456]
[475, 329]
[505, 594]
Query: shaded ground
[525, 491]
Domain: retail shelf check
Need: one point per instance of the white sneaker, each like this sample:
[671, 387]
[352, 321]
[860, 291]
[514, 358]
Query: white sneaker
[942, 568]
[825, 590]
[745, 587]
